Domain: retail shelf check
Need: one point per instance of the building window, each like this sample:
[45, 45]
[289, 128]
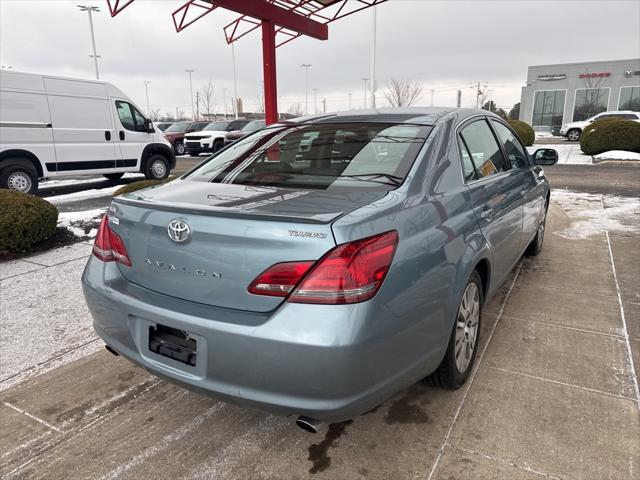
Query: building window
[590, 102]
[548, 108]
[629, 99]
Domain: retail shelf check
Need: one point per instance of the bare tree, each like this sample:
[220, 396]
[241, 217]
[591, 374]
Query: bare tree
[296, 110]
[155, 115]
[403, 92]
[592, 84]
[260, 102]
[208, 98]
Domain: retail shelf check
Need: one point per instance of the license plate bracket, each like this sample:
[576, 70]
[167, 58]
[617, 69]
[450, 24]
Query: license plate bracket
[172, 343]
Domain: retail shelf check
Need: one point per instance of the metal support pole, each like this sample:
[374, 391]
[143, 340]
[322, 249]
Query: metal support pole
[364, 102]
[373, 58]
[193, 112]
[89, 9]
[459, 102]
[235, 82]
[146, 90]
[269, 72]
[315, 104]
[306, 87]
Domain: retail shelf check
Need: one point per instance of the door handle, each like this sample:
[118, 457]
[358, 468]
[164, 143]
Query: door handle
[487, 214]
[121, 135]
[107, 135]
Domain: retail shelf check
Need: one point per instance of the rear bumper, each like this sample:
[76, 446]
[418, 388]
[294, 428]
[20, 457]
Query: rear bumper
[312, 360]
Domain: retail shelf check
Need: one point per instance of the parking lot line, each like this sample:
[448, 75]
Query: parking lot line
[33, 417]
[622, 317]
[565, 327]
[445, 442]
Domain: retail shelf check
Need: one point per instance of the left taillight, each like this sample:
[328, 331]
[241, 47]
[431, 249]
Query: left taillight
[108, 245]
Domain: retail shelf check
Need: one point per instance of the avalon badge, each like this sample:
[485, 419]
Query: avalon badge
[178, 231]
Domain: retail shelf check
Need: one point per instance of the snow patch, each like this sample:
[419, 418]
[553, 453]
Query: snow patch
[84, 223]
[81, 180]
[620, 214]
[85, 194]
[617, 155]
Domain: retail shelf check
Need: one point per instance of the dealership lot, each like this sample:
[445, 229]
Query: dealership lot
[554, 394]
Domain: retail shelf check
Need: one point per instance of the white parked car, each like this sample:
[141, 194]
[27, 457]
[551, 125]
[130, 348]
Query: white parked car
[572, 131]
[211, 138]
[55, 126]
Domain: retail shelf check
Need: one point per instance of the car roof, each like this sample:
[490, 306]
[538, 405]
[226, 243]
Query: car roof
[413, 115]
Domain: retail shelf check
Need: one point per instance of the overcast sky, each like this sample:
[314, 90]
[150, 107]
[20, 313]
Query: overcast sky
[447, 45]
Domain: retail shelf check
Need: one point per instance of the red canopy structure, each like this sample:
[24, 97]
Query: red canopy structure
[280, 20]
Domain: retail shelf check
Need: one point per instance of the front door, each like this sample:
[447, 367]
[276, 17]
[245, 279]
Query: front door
[495, 194]
[133, 136]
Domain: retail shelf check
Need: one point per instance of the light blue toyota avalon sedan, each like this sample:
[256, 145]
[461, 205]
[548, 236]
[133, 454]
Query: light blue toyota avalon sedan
[316, 267]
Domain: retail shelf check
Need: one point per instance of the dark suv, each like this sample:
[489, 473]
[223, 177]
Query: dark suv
[175, 134]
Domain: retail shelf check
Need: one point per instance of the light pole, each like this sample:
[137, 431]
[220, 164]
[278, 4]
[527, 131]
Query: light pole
[315, 96]
[350, 100]
[373, 58]
[146, 90]
[235, 84]
[193, 113]
[306, 87]
[365, 80]
[224, 101]
[89, 9]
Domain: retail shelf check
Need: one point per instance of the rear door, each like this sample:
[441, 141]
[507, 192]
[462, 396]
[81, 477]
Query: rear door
[495, 194]
[532, 186]
[132, 134]
[82, 126]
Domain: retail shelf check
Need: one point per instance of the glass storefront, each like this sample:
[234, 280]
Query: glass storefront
[629, 99]
[548, 108]
[589, 102]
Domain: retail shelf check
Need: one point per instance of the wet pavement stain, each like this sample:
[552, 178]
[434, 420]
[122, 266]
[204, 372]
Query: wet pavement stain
[318, 452]
[407, 408]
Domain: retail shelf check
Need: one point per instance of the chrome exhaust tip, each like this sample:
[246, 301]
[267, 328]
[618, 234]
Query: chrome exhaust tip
[309, 424]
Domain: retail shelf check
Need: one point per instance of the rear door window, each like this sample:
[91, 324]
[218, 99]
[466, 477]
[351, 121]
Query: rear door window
[512, 147]
[483, 148]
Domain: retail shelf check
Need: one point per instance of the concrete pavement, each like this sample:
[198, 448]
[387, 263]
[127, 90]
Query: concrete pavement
[554, 393]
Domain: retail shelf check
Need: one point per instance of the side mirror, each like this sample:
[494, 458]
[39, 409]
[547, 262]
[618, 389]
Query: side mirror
[545, 156]
[148, 125]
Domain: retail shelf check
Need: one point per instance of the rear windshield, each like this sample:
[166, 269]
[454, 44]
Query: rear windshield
[178, 127]
[327, 156]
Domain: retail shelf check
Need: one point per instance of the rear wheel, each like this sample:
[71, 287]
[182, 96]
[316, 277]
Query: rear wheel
[113, 176]
[20, 176]
[535, 247]
[573, 135]
[157, 168]
[179, 147]
[461, 352]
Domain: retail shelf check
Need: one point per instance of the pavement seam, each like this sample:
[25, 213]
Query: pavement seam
[472, 378]
[33, 417]
[510, 463]
[566, 327]
[622, 317]
[558, 382]
[41, 265]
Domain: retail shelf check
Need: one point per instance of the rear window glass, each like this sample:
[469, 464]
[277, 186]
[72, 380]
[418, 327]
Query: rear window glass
[178, 127]
[327, 156]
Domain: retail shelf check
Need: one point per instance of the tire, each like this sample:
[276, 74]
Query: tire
[535, 247]
[453, 372]
[156, 168]
[19, 175]
[179, 148]
[217, 145]
[113, 176]
[574, 134]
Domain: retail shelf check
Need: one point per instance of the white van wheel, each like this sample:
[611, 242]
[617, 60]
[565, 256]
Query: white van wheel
[19, 178]
[157, 168]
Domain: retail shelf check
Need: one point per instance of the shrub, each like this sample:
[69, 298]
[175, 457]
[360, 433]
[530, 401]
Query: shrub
[525, 132]
[132, 187]
[610, 134]
[24, 221]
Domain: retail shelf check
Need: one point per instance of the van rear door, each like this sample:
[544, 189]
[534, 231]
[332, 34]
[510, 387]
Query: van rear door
[83, 129]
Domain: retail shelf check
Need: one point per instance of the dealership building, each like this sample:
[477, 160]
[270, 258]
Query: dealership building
[568, 92]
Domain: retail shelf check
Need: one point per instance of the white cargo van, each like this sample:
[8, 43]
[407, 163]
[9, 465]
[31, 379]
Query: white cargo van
[54, 126]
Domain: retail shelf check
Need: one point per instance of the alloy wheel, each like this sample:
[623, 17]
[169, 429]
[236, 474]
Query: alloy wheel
[180, 148]
[573, 135]
[467, 327]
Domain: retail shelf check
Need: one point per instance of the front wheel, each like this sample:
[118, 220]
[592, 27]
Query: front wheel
[458, 361]
[19, 178]
[573, 135]
[157, 168]
[179, 147]
[217, 145]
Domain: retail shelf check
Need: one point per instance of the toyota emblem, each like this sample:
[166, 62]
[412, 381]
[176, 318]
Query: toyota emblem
[628, 73]
[178, 231]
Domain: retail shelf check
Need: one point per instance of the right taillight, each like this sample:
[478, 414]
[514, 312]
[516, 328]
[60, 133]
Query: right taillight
[350, 273]
[108, 245]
